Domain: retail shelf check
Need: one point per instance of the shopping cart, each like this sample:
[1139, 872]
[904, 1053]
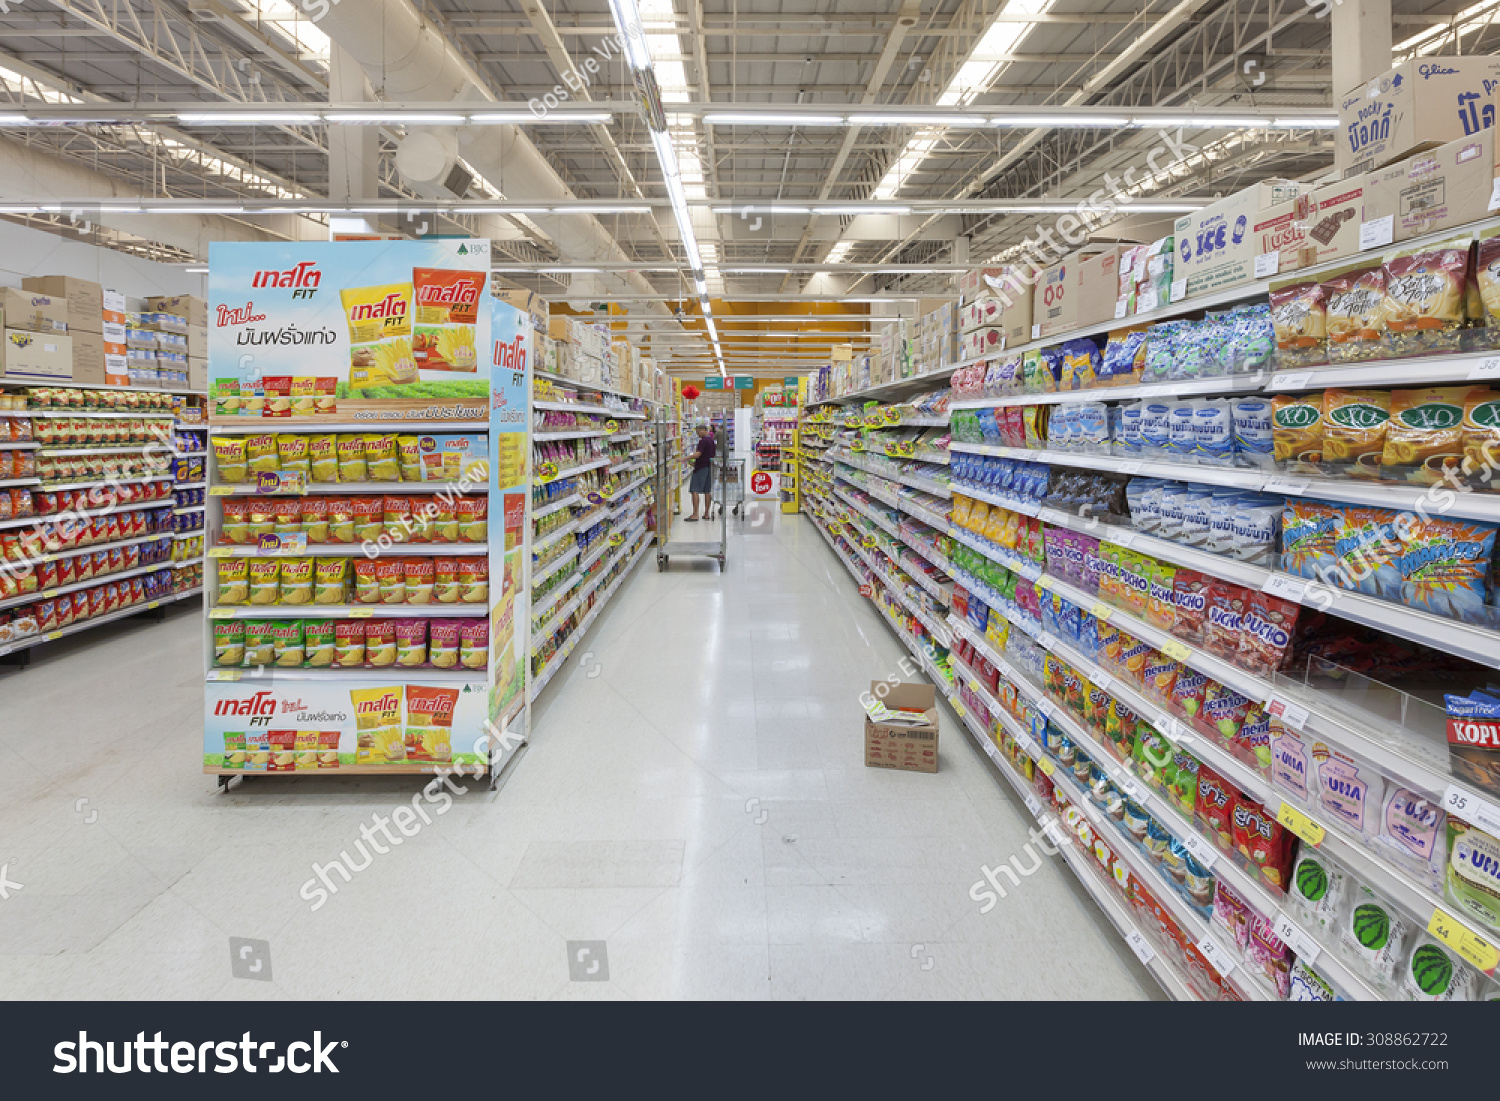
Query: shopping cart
[665, 547]
[729, 492]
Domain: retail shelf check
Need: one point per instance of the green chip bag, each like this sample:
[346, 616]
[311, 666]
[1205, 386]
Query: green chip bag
[318, 642]
[260, 643]
[229, 642]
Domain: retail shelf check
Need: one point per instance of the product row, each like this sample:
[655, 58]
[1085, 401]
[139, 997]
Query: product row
[82, 530]
[104, 401]
[107, 466]
[383, 580]
[86, 431]
[45, 576]
[57, 613]
[328, 458]
[374, 643]
[386, 520]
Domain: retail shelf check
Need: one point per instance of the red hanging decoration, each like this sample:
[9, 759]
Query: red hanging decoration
[691, 392]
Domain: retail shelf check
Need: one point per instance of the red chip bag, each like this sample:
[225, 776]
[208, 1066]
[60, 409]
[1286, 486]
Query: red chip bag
[1226, 609]
[1262, 840]
[1213, 808]
[46, 616]
[1266, 633]
[46, 575]
[1190, 600]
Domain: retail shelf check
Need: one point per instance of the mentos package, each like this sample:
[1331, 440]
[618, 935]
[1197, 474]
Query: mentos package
[1444, 568]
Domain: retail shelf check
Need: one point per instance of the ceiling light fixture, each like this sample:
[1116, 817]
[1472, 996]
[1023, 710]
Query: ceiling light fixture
[387, 118]
[245, 118]
[853, 209]
[1032, 121]
[771, 118]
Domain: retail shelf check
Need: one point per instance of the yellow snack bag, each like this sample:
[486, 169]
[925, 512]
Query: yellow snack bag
[380, 458]
[229, 453]
[1425, 433]
[979, 517]
[261, 455]
[296, 580]
[377, 724]
[265, 581]
[323, 458]
[351, 455]
[960, 514]
[331, 581]
[234, 580]
[1354, 431]
[304, 391]
[380, 351]
[1297, 432]
[409, 453]
[293, 453]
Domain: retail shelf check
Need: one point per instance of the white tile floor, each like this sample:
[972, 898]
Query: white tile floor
[694, 797]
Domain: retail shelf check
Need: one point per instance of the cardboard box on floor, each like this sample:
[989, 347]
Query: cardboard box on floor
[910, 748]
[1420, 103]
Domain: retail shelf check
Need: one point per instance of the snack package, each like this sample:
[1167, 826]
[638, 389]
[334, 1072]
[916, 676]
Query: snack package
[260, 643]
[390, 575]
[1299, 316]
[1425, 435]
[1372, 935]
[382, 463]
[474, 642]
[378, 733]
[236, 525]
[1488, 277]
[1425, 299]
[1308, 533]
[1434, 974]
[380, 351]
[473, 522]
[442, 643]
[447, 318]
[349, 643]
[319, 642]
[287, 516]
[1355, 307]
[314, 518]
[369, 518]
[229, 456]
[1412, 834]
[1354, 424]
[229, 642]
[340, 512]
[331, 581]
[296, 580]
[350, 451]
[234, 581]
[366, 581]
[292, 452]
[473, 580]
[1473, 876]
[261, 456]
[265, 580]
[380, 642]
[1297, 432]
[1445, 567]
[411, 642]
[1262, 840]
[323, 458]
[409, 456]
[287, 643]
[1266, 630]
[1481, 439]
[1226, 604]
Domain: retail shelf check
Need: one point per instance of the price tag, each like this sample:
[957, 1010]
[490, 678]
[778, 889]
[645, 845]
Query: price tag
[220, 552]
[1120, 305]
[1005, 669]
[1048, 640]
[1036, 332]
[1202, 851]
[224, 674]
[361, 613]
[1471, 946]
[1218, 957]
[1267, 264]
[1377, 233]
[220, 613]
[1299, 381]
[1294, 938]
[1042, 581]
[1139, 946]
[1146, 303]
[1101, 612]
[1046, 707]
[1119, 538]
[1102, 680]
[1286, 587]
[1489, 367]
[1046, 765]
[1472, 808]
[52, 636]
[221, 491]
[1300, 824]
[1288, 712]
[958, 707]
[1179, 290]
[1495, 196]
[1175, 650]
[1290, 486]
[1033, 804]
[1130, 468]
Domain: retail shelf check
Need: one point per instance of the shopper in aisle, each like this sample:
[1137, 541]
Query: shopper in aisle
[701, 485]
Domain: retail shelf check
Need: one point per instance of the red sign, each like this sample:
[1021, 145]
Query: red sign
[867, 590]
[760, 482]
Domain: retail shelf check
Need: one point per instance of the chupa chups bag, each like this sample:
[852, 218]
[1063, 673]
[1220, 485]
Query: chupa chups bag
[380, 351]
[1266, 631]
[1297, 432]
[349, 643]
[1307, 537]
[1095, 708]
[1356, 316]
[1425, 299]
[1366, 545]
[1425, 436]
[1226, 604]
[1190, 604]
[1445, 568]
[447, 303]
[1299, 316]
[474, 643]
[1354, 423]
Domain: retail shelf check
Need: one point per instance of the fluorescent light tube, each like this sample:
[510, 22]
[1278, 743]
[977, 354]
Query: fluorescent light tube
[917, 120]
[1305, 124]
[387, 118]
[526, 118]
[242, 118]
[1203, 123]
[770, 118]
[1066, 120]
[853, 209]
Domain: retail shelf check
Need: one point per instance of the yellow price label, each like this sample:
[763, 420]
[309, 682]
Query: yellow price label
[220, 613]
[154, 604]
[225, 674]
[1468, 944]
[1046, 765]
[958, 706]
[1300, 824]
[220, 552]
[1175, 650]
[53, 636]
[1044, 582]
[361, 613]
[221, 491]
[1100, 611]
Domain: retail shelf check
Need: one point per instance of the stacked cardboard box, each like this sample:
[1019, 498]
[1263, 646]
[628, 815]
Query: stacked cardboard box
[996, 304]
[1420, 104]
[194, 310]
[37, 344]
[1079, 290]
[1217, 246]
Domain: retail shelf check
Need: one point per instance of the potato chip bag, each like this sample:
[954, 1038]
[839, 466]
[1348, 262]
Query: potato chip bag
[445, 588]
[369, 513]
[380, 352]
[260, 518]
[296, 580]
[1425, 299]
[319, 642]
[396, 519]
[260, 643]
[422, 511]
[235, 528]
[473, 522]
[380, 458]
[1354, 424]
[979, 517]
[288, 516]
[351, 459]
[229, 456]
[959, 516]
[390, 574]
[323, 458]
[331, 581]
[366, 581]
[409, 458]
[377, 721]
[261, 456]
[315, 518]
[473, 580]
[325, 403]
[234, 580]
[292, 451]
[349, 643]
[229, 641]
[1356, 316]
[1299, 318]
[411, 642]
[473, 643]
[1488, 278]
[265, 580]
[278, 391]
[419, 580]
[429, 722]
[443, 527]
[1425, 435]
[380, 642]
[442, 643]
[1445, 568]
[995, 530]
[286, 639]
[340, 520]
[1297, 432]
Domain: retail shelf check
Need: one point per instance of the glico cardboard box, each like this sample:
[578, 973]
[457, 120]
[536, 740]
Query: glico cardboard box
[83, 300]
[910, 747]
[44, 357]
[1420, 103]
[1436, 190]
[1216, 246]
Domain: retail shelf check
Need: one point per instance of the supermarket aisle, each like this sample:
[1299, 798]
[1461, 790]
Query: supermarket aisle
[695, 799]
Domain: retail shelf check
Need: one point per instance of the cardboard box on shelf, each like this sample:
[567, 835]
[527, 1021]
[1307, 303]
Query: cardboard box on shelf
[1422, 102]
[197, 341]
[1334, 214]
[116, 369]
[527, 302]
[909, 747]
[36, 313]
[114, 310]
[84, 300]
[1436, 190]
[190, 307]
[88, 357]
[1216, 247]
[41, 356]
[1079, 290]
[197, 373]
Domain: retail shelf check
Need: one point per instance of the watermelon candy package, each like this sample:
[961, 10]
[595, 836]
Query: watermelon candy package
[1434, 974]
[1372, 934]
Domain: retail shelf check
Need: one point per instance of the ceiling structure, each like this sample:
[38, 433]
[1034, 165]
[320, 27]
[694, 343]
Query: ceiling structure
[690, 206]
